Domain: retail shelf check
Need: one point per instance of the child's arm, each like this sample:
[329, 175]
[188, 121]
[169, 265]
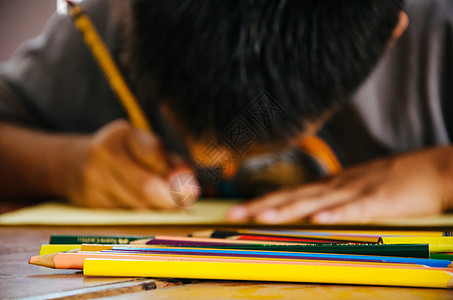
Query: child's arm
[118, 166]
[418, 183]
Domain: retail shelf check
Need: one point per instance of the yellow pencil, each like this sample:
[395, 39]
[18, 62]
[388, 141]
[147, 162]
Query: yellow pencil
[56, 248]
[315, 273]
[104, 59]
[436, 244]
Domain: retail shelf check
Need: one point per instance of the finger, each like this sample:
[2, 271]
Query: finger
[106, 190]
[299, 208]
[148, 188]
[311, 198]
[138, 180]
[245, 211]
[121, 193]
[367, 209]
[158, 194]
[145, 149]
[97, 198]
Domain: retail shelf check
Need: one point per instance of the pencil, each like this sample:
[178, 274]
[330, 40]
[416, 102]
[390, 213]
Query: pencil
[75, 260]
[404, 250]
[205, 243]
[436, 244]
[167, 238]
[314, 273]
[251, 237]
[440, 255]
[116, 80]
[151, 249]
[358, 233]
[325, 234]
[94, 239]
[55, 248]
[277, 234]
[108, 66]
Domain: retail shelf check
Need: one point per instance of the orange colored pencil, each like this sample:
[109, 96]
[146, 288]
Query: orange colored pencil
[76, 260]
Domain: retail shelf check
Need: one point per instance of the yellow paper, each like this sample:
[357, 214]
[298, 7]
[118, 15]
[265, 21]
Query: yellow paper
[205, 212]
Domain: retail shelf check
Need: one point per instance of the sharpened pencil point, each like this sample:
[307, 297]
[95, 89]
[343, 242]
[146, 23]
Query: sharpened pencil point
[43, 260]
[32, 260]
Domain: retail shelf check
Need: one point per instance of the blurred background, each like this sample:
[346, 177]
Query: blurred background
[21, 20]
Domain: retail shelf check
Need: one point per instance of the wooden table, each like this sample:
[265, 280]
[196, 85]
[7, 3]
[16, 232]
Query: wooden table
[18, 279]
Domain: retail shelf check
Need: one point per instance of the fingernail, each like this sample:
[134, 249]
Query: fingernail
[323, 217]
[269, 216]
[237, 213]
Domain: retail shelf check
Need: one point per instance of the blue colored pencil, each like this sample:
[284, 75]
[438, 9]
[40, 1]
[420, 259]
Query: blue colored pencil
[439, 263]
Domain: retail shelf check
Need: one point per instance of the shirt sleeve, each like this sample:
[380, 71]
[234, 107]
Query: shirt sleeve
[53, 81]
[407, 102]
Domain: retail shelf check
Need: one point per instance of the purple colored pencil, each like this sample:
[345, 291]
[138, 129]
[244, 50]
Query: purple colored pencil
[440, 263]
[176, 243]
[232, 254]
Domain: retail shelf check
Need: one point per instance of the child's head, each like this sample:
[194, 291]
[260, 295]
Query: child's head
[209, 62]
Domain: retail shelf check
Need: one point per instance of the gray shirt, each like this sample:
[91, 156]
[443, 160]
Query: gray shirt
[407, 102]
[53, 82]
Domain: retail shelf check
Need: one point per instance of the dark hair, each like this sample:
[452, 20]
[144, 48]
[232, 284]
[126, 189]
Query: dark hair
[209, 60]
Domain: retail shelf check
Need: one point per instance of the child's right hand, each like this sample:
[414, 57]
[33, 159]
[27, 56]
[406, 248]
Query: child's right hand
[121, 166]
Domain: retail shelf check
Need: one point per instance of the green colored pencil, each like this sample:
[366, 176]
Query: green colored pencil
[402, 250]
[92, 239]
[447, 256]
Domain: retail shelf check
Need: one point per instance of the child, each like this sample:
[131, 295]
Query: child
[199, 69]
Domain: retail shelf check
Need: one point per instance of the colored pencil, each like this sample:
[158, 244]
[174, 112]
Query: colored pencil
[49, 249]
[94, 239]
[150, 249]
[314, 273]
[76, 260]
[356, 233]
[440, 255]
[264, 238]
[404, 250]
[436, 244]
[309, 235]
[164, 238]
[358, 236]
[220, 251]
[64, 260]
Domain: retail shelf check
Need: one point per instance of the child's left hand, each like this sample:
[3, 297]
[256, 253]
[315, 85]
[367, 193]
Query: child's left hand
[418, 183]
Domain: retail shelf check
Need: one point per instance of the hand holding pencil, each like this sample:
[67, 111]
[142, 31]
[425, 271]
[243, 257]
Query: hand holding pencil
[124, 165]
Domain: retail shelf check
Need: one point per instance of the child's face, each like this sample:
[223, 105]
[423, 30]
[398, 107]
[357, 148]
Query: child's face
[209, 153]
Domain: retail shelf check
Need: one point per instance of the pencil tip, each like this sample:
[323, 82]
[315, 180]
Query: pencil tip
[202, 233]
[43, 260]
[32, 260]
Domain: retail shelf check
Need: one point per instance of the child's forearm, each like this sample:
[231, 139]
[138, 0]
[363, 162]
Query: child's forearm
[34, 163]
